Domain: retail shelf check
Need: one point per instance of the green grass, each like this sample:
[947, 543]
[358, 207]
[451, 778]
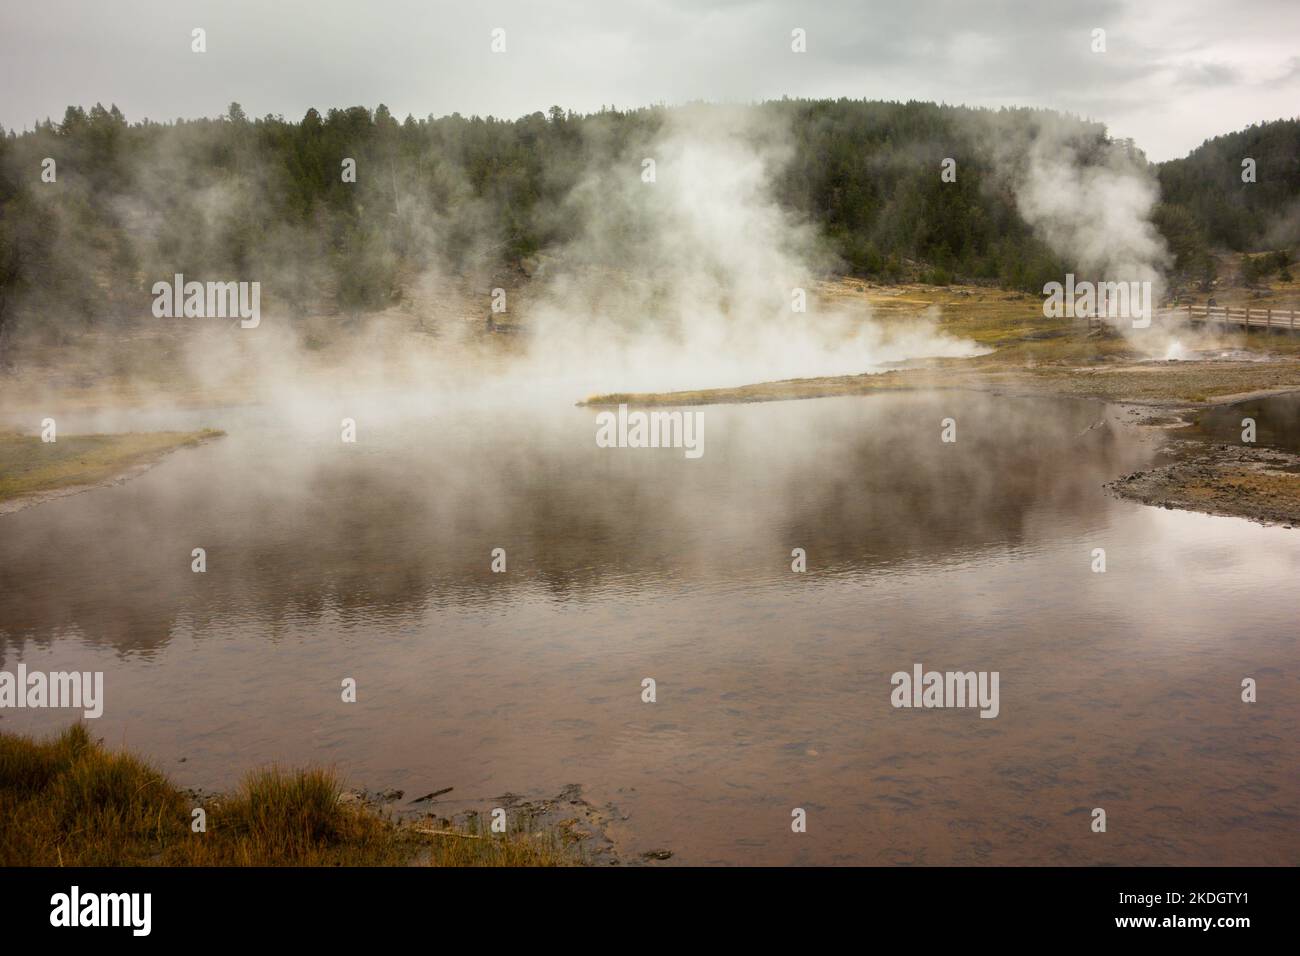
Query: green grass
[31, 466]
[71, 802]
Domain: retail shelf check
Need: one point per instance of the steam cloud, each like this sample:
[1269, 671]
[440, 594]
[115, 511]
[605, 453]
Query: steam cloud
[687, 281]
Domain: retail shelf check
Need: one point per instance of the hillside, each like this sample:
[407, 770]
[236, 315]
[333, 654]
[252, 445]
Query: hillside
[472, 197]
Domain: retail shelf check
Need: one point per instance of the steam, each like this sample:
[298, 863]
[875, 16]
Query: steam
[686, 279]
[1091, 200]
[690, 280]
[1096, 214]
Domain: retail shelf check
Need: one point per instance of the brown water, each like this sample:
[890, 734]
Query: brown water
[372, 561]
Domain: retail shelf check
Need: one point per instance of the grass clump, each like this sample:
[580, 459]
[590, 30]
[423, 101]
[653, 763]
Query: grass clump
[71, 802]
[528, 843]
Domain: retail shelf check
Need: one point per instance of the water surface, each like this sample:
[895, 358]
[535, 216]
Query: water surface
[1119, 690]
[1277, 421]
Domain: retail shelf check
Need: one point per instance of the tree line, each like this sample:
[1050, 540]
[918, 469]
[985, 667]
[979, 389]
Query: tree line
[228, 195]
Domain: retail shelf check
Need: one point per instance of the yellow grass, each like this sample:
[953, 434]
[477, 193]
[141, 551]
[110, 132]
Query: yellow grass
[70, 802]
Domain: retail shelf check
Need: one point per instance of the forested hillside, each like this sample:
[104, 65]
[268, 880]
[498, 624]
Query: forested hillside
[234, 196]
[1234, 214]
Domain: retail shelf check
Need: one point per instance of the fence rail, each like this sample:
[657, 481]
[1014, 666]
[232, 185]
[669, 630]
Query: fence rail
[1244, 316]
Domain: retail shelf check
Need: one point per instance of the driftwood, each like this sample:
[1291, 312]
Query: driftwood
[452, 833]
[430, 796]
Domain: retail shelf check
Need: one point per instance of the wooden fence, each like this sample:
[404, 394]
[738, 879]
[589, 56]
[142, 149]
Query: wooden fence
[1244, 317]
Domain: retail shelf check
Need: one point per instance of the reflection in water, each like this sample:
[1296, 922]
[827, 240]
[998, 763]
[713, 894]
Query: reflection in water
[1277, 421]
[396, 527]
[372, 561]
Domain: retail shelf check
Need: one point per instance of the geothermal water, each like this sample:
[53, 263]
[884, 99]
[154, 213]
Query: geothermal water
[373, 561]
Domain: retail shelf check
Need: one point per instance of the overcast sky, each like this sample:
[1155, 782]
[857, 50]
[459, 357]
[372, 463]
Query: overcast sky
[1174, 73]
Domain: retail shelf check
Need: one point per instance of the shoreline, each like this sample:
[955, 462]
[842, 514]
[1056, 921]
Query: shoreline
[1208, 476]
[1100, 382]
[117, 458]
[1203, 475]
[298, 817]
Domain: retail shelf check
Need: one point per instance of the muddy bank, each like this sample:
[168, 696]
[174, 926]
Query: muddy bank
[589, 831]
[1215, 477]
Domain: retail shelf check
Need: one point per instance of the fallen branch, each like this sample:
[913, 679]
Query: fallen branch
[430, 796]
[453, 833]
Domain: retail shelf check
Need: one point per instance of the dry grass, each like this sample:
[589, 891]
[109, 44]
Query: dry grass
[1280, 489]
[71, 802]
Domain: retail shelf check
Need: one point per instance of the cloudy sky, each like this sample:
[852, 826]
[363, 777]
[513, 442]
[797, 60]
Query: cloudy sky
[1174, 73]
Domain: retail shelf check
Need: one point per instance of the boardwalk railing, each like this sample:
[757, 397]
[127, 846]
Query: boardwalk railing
[1245, 317]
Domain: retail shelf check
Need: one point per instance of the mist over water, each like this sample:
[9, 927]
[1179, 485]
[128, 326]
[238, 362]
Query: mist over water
[372, 561]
